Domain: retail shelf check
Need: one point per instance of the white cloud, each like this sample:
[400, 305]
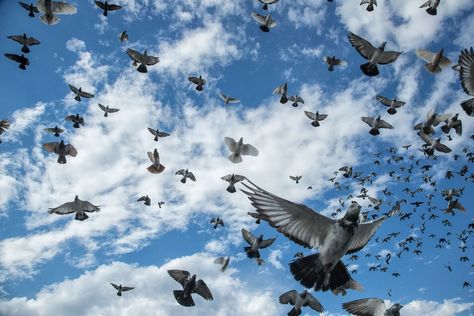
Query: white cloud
[274, 258]
[24, 119]
[449, 307]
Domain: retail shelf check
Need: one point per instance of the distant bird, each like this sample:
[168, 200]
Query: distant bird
[107, 110]
[77, 206]
[77, 120]
[121, 288]
[432, 119]
[224, 262]
[373, 55]
[432, 6]
[257, 217]
[4, 125]
[299, 300]
[160, 204]
[371, 307]
[190, 286]
[21, 59]
[435, 61]
[61, 149]
[454, 204]
[227, 99]
[432, 145]
[266, 3]
[232, 179]
[156, 166]
[466, 75]
[453, 122]
[145, 199]
[107, 7]
[79, 93]
[51, 8]
[371, 3]
[376, 123]
[282, 90]
[346, 171]
[54, 130]
[315, 117]
[198, 81]
[30, 8]
[144, 60]
[185, 174]
[25, 41]
[375, 202]
[238, 149]
[333, 61]
[266, 22]
[255, 243]
[123, 36]
[217, 221]
[296, 178]
[296, 99]
[391, 104]
[157, 133]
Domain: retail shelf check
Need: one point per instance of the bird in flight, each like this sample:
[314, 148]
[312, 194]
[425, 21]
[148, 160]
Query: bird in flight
[77, 206]
[190, 286]
[121, 288]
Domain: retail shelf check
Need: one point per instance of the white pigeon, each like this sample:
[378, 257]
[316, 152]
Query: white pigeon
[51, 8]
[238, 149]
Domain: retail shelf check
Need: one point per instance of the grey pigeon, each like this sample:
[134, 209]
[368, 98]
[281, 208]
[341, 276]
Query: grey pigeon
[227, 99]
[232, 179]
[54, 130]
[50, 9]
[186, 174]
[121, 288]
[295, 99]
[370, 3]
[266, 22]
[282, 90]
[296, 178]
[432, 119]
[432, 6]
[266, 3]
[25, 41]
[346, 171]
[79, 93]
[376, 123]
[315, 117]
[450, 193]
[223, 261]
[375, 202]
[77, 120]
[453, 122]
[300, 300]
[333, 61]
[255, 243]
[145, 199]
[107, 110]
[142, 59]
[21, 59]
[77, 206]
[374, 55]
[371, 307]
[106, 7]
[190, 286]
[123, 36]
[217, 221]
[160, 203]
[392, 104]
[198, 81]
[157, 133]
[30, 8]
[4, 125]
[61, 149]
[432, 145]
[466, 75]
[435, 61]
[156, 166]
[238, 149]
[454, 204]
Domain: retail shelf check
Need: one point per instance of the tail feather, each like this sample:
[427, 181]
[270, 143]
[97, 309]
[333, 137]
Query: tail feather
[231, 189]
[155, 170]
[251, 253]
[199, 88]
[315, 123]
[370, 7]
[49, 19]
[340, 279]
[294, 312]
[432, 11]
[446, 129]
[77, 98]
[391, 111]
[369, 69]
[22, 66]
[432, 68]
[80, 216]
[308, 271]
[62, 159]
[331, 68]
[31, 14]
[374, 132]
[183, 300]
[264, 28]
[235, 158]
[119, 293]
[468, 107]
[142, 68]
[283, 99]
[25, 49]
[183, 180]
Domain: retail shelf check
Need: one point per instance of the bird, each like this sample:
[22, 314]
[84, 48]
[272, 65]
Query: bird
[155, 167]
[466, 63]
[266, 3]
[107, 110]
[145, 199]
[255, 243]
[452, 205]
[376, 203]
[432, 119]
[157, 133]
[30, 8]
[227, 99]
[296, 178]
[370, 3]
[21, 59]
[121, 288]
[223, 261]
[346, 171]
[185, 174]
[453, 122]
[4, 125]
[238, 149]
[232, 179]
[77, 206]
[50, 8]
[54, 130]
[266, 22]
[190, 286]
[282, 90]
[198, 81]
[315, 117]
[77, 120]
[257, 217]
[123, 36]
[373, 55]
[160, 203]
[432, 145]
[142, 59]
[334, 238]
[333, 61]
[435, 61]
[217, 221]
[79, 93]
[25, 41]
[371, 307]
[295, 99]
[432, 6]
[299, 300]
[107, 7]
[391, 104]
[61, 149]
[376, 123]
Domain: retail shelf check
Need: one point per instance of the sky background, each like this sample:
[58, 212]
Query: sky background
[54, 265]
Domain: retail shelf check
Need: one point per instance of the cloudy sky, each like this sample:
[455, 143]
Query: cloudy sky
[54, 265]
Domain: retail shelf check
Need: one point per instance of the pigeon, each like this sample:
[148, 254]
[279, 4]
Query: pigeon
[373, 55]
[156, 167]
[299, 300]
[107, 110]
[376, 123]
[198, 81]
[466, 75]
[123, 36]
[232, 179]
[334, 238]
[266, 22]
[217, 221]
[454, 204]
[54, 130]
[145, 199]
[238, 149]
[121, 288]
[296, 99]
[282, 90]
[223, 261]
[77, 120]
[432, 119]
[370, 3]
[346, 171]
[50, 8]
[255, 243]
[21, 59]
[296, 178]
[25, 41]
[79, 93]
[77, 206]
[435, 61]
[432, 145]
[371, 307]
[315, 117]
[185, 174]
[375, 202]
[453, 122]
[107, 7]
[144, 60]
[432, 6]
[160, 204]
[266, 3]
[449, 194]
[190, 286]
[333, 61]
[4, 125]
[391, 104]
[227, 99]
[30, 8]
[157, 133]
[61, 149]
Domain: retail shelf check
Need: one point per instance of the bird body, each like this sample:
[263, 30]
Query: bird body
[333, 61]
[433, 145]
[432, 119]
[282, 90]
[4, 125]
[296, 99]
[391, 104]
[370, 6]
[227, 99]
[198, 81]
[300, 300]
[123, 36]
[30, 8]
[238, 149]
[223, 261]
[296, 178]
[106, 7]
[55, 130]
[435, 61]
[315, 117]
[157, 133]
[50, 9]
[145, 199]
[266, 3]
[453, 122]
[77, 120]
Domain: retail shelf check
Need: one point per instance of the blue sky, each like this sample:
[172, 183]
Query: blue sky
[54, 265]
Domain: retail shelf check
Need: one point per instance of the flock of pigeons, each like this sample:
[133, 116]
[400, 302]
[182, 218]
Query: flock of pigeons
[334, 236]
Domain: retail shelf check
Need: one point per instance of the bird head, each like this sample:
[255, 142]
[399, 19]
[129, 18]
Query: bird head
[76, 198]
[241, 140]
[352, 214]
[397, 307]
[382, 46]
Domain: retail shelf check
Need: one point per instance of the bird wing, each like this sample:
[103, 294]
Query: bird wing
[32, 41]
[367, 120]
[313, 303]
[322, 117]
[73, 89]
[222, 95]
[136, 56]
[150, 155]
[51, 147]
[194, 80]
[219, 260]
[102, 107]
[231, 144]
[266, 243]
[180, 172]
[113, 110]
[388, 57]
[143, 198]
[250, 150]
[202, 289]
[366, 307]
[59, 7]
[100, 4]
[70, 150]
[466, 73]
[152, 130]
[383, 124]
[86, 94]
[259, 18]
[364, 47]
[239, 178]
[441, 118]
[151, 60]
[191, 176]
[87, 206]
[66, 208]
[296, 221]
[442, 148]
[311, 115]
[16, 38]
[425, 137]
[425, 55]
[115, 286]
[114, 7]
[233, 100]
[248, 236]
[180, 276]
[227, 177]
[385, 101]
[163, 134]
[280, 89]
[289, 297]
[127, 288]
[14, 57]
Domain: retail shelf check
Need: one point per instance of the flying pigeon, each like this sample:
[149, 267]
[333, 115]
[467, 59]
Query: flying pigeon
[432, 145]
[296, 99]
[198, 81]
[466, 75]
[255, 243]
[435, 61]
[145, 199]
[373, 55]
[123, 36]
[315, 117]
[266, 3]
[282, 90]
[25, 41]
[144, 60]
[371, 3]
[453, 122]
[346, 171]
[76, 119]
[157, 133]
[21, 59]
[190, 286]
[371, 307]
[79, 93]
[432, 119]
[299, 300]
[238, 149]
[107, 7]
[54, 130]
[266, 22]
[77, 206]
[61, 149]
[4, 125]
[232, 179]
[121, 288]
[223, 261]
[107, 110]
[375, 202]
[217, 221]
[392, 105]
[296, 178]
[51, 8]
[227, 99]
[333, 61]
[185, 174]
[156, 166]
[160, 203]
[432, 6]
[450, 193]
[376, 123]
[454, 204]
[30, 8]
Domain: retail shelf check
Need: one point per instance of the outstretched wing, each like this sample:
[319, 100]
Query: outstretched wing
[249, 238]
[388, 57]
[289, 297]
[70, 150]
[311, 115]
[367, 120]
[267, 242]
[385, 101]
[52, 147]
[313, 303]
[180, 276]
[87, 206]
[364, 47]
[250, 150]
[151, 60]
[59, 7]
[202, 289]
[66, 208]
[259, 18]
[366, 306]
[231, 144]
[136, 56]
[466, 73]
